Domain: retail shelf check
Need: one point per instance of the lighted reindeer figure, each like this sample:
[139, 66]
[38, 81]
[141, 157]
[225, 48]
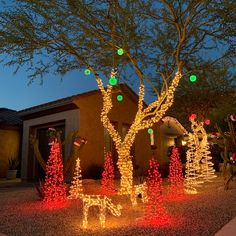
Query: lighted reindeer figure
[136, 190]
[103, 202]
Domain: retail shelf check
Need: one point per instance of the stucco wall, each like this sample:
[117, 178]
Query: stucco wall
[87, 120]
[9, 148]
[71, 119]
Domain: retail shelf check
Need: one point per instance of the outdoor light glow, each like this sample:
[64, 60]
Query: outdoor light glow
[108, 185]
[193, 78]
[183, 142]
[87, 72]
[103, 203]
[154, 208]
[76, 188]
[140, 189]
[113, 81]
[119, 97]
[126, 168]
[207, 121]
[193, 157]
[193, 116]
[124, 162]
[207, 170]
[53, 188]
[191, 175]
[120, 51]
[150, 131]
[152, 141]
[199, 167]
[175, 178]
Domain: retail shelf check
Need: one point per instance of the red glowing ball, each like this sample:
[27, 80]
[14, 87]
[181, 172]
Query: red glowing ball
[192, 117]
[207, 121]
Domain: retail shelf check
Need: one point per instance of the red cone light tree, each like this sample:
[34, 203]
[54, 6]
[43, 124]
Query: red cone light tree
[175, 178]
[108, 186]
[154, 208]
[54, 189]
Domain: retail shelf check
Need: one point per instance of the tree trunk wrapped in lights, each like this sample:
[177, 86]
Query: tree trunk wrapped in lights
[175, 178]
[76, 188]
[145, 118]
[108, 185]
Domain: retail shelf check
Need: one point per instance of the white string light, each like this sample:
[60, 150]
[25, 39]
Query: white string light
[76, 188]
[101, 201]
[145, 118]
[140, 189]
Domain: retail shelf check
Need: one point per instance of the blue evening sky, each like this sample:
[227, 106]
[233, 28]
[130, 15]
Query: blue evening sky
[17, 95]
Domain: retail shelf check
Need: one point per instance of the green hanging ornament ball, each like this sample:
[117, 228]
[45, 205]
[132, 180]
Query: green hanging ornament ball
[119, 97]
[87, 72]
[150, 131]
[113, 81]
[193, 78]
[120, 51]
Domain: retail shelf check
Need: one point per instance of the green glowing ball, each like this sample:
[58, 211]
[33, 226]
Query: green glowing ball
[150, 131]
[193, 78]
[120, 51]
[87, 72]
[113, 81]
[119, 97]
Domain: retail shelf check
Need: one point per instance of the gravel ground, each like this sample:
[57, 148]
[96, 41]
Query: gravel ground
[23, 213]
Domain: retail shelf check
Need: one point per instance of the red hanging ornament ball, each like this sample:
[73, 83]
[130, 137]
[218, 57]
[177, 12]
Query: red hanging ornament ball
[207, 121]
[192, 117]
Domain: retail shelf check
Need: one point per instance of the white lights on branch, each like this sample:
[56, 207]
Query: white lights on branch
[191, 174]
[199, 167]
[76, 188]
[144, 119]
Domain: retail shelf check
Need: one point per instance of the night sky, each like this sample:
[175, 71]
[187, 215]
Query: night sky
[17, 95]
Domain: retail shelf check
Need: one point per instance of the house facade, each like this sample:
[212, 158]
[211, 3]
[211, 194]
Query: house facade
[10, 138]
[82, 113]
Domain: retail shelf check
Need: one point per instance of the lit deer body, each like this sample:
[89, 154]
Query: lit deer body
[103, 202]
[139, 189]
